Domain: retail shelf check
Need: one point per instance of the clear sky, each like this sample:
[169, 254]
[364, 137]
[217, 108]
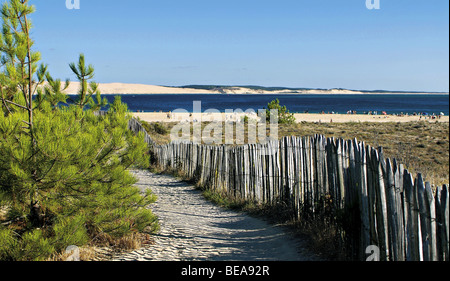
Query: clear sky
[293, 43]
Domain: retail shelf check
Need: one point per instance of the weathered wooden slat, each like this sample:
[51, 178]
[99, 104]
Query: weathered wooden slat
[352, 188]
[245, 172]
[266, 161]
[298, 177]
[315, 197]
[444, 206]
[283, 155]
[392, 210]
[364, 201]
[371, 196]
[398, 183]
[381, 209]
[321, 177]
[271, 174]
[277, 170]
[253, 171]
[314, 177]
[411, 218]
[340, 173]
[307, 174]
[302, 177]
[330, 169]
[258, 173]
[432, 231]
[292, 176]
[424, 220]
[318, 179]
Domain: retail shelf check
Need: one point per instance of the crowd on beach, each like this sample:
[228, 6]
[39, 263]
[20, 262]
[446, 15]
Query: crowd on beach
[239, 117]
[432, 116]
[401, 114]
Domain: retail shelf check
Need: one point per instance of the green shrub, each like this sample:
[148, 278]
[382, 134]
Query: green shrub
[70, 231]
[79, 179]
[35, 247]
[160, 128]
[155, 127]
[8, 245]
[284, 117]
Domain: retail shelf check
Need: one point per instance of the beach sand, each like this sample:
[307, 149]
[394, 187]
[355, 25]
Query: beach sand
[310, 117]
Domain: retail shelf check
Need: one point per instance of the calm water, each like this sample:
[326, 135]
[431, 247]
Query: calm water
[295, 103]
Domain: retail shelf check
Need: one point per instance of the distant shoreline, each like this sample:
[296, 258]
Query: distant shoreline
[300, 117]
[141, 89]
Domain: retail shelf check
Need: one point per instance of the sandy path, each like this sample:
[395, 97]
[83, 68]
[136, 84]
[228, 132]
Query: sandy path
[193, 229]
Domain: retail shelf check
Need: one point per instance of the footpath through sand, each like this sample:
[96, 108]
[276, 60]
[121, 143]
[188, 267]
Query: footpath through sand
[193, 229]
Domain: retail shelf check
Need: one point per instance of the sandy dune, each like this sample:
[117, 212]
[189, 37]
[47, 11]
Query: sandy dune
[136, 89]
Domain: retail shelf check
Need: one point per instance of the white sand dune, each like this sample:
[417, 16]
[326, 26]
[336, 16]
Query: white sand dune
[136, 89]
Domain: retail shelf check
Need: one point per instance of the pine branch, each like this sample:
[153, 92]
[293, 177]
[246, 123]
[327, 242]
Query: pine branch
[13, 103]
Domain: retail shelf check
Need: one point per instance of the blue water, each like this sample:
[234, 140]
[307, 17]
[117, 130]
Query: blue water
[295, 103]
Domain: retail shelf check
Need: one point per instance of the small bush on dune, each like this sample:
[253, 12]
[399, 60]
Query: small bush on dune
[283, 117]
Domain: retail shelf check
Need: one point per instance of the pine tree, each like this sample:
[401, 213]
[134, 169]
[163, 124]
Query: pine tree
[53, 92]
[17, 86]
[63, 169]
[82, 176]
[85, 93]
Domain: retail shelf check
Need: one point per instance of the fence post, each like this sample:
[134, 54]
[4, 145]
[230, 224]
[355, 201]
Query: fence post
[423, 216]
[432, 218]
[380, 201]
[411, 218]
[340, 173]
[392, 211]
[442, 206]
[372, 185]
[364, 198]
[398, 183]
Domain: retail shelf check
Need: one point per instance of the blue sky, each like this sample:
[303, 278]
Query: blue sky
[293, 43]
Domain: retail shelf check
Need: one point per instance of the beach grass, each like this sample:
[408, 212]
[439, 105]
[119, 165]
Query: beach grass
[423, 147]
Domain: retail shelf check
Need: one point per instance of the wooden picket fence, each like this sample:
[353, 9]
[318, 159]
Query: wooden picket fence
[373, 200]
